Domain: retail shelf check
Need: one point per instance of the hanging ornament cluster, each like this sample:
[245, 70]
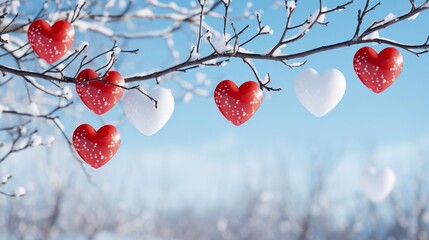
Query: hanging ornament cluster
[100, 94]
[318, 93]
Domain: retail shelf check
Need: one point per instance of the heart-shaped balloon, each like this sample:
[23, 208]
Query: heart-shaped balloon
[96, 147]
[141, 111]
[377, 183]
[99, 95]
[50, 43]
[238, 104]
[320, 93]
[377, 71]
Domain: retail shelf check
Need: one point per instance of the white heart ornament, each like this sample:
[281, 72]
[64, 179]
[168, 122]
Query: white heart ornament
[141, 111]
[377, 183]
[320, 93]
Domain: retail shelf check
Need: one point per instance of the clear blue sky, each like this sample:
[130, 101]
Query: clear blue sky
[398, 113]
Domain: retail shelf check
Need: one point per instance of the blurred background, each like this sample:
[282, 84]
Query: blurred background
[284, 174]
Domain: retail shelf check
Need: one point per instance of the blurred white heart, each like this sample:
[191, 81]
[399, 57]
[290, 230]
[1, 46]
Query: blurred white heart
[320, 93]
[141, 111]
[377, 183]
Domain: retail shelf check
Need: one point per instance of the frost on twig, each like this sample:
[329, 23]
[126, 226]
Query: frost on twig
[19, 191]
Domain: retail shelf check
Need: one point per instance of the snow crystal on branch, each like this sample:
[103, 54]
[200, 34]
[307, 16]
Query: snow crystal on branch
[389, 18]
[267, 30]
[194, 54]
[266, 79]
[290, 5]
[210, 62]
[36, 140]
[20, 191]
[33, 109]
[67, 93]
[49, 140]
[5, 37]
[144, 13]
[278, 50]
[116, 50]
[414, 16]
[59, 124]
[20, 144]
[372, 36]
[14, 7]
[219, 45]
[322, 17]
[243, 50]
[296, 64]
[6, 179]
[312, 18]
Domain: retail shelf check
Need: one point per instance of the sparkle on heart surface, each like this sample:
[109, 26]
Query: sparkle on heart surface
[96, 147]
[50, 43]
[99, 96]
[377, 71]
[238, 104]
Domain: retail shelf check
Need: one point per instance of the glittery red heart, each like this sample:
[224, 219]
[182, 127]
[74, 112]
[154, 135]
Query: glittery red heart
[96, 147]
[378, 71]
[50, 43]
[99, 95]
[238, 104]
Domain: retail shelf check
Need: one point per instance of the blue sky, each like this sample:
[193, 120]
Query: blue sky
[200, 151]
[397, 113]
[200, 158]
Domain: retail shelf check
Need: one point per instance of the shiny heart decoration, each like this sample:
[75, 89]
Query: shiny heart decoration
[141, 111]
[96, 147]
[238, 104]
[99, 95]
[377, 183]
[377, 71]
[320, 93]
[50, 43]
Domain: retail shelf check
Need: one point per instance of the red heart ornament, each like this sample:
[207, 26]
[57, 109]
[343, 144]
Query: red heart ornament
[238, 104]
[96, 147]
[50, 43]
[377, 71]
[99, 95]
